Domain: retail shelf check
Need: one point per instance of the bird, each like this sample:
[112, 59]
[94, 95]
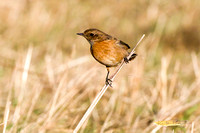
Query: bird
[107, 50]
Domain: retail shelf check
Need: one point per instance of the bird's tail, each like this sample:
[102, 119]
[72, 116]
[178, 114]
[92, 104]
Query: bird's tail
[132, 57]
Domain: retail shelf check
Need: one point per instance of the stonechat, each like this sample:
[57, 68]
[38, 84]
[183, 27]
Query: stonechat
[106, 49]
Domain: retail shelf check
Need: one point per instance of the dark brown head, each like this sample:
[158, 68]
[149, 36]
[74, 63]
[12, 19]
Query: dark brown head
[94, 35]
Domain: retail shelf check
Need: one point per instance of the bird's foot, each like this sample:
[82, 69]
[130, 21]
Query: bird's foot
[109, 82]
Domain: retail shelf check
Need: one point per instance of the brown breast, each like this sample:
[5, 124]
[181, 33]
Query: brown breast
[108, 52]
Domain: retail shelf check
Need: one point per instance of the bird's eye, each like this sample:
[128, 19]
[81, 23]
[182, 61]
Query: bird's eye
[91, 34]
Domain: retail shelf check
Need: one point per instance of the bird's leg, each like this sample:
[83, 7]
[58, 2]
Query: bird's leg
[108, 81]
[131, 58]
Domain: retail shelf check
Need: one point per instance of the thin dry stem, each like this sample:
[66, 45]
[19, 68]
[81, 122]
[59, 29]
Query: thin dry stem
[6, 115]
[192, 128]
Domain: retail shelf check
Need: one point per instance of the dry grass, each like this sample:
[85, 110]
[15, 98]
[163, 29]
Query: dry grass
[48, 78]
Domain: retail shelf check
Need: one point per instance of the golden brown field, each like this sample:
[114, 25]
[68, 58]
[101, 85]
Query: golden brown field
[48, 78]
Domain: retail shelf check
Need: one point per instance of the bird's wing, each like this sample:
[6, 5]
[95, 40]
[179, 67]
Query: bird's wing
[123, 44]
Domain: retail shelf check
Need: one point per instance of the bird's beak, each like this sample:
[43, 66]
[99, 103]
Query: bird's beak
[80, 34]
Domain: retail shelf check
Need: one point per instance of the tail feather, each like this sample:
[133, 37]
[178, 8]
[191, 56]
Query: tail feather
[132, 57]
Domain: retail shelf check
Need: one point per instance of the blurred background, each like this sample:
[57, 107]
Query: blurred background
[48, 78]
